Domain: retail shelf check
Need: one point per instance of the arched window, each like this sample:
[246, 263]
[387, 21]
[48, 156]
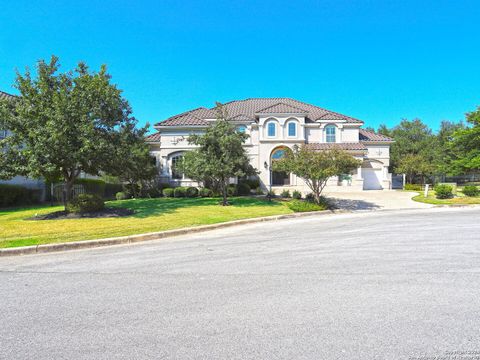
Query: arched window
[176, 172]
[330, 134]
[292, 129]
[271, 129]
[241, 128]
[279, 178]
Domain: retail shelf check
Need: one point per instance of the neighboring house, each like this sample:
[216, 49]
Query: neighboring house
[18, 180]
[275, 124]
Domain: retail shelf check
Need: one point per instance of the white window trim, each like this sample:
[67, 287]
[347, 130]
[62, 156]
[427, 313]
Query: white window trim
[275, 124]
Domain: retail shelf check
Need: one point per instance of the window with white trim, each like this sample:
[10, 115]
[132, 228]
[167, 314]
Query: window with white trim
[175, 162]
[330, 134]
[292, 129]
[271, 129]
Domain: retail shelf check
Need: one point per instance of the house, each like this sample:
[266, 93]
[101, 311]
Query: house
[274, 125]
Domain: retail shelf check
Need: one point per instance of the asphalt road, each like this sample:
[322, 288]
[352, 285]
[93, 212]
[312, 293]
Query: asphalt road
[381, 285]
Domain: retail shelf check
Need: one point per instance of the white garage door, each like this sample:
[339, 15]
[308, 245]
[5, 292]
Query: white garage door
[372, 179]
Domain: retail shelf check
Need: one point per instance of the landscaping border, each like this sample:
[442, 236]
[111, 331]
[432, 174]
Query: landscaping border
[75, 245]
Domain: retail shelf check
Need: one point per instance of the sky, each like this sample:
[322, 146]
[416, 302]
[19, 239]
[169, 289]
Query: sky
[379, 61]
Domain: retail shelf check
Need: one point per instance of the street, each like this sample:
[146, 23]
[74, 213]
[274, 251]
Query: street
[371, 285]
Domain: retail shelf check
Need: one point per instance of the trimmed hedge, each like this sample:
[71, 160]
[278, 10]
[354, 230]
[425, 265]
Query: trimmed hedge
[471, 190]
[84, 203]
[168, 192]
[204, 192]
[180, 192]
[191, 192]
[413, 187]
[443, 191]
[13, 195]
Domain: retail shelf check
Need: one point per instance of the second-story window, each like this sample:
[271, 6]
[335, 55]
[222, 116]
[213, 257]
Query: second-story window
[292, 129]
[330, 132]
[271, 129]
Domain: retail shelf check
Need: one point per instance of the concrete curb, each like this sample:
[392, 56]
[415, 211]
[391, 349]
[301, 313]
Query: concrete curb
[46, 248]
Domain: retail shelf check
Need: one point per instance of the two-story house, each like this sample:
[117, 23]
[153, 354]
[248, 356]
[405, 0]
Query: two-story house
[275, 124]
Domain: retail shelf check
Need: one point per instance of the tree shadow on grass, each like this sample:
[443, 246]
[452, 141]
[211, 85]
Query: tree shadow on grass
[348, 204]
[151, 207]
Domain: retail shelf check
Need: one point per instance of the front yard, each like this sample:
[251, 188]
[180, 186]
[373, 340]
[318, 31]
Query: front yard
[150, 215]
[460, 199]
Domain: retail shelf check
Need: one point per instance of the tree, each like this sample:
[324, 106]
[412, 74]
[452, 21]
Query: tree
[135, 167]
[63, 124]
[466, 145]
[316, 167]
[445, 153]
[220, 155]
[415, 164]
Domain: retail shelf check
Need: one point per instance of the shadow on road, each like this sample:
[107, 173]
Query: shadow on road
[348, 204]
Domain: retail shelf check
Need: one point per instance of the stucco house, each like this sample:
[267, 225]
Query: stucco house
[275, 124]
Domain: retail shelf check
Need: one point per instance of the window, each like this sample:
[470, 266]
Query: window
[3, 134]
[241, 129]
[292, 129]
[330, 134]
[176, 173]
[271, 129]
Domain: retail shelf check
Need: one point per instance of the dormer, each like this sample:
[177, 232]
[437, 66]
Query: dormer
[281, 122]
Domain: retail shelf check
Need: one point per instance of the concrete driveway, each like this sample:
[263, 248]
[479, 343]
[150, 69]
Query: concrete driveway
[376, 200]
[367, 285]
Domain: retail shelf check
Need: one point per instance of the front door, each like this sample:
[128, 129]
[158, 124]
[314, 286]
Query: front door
[280, 178]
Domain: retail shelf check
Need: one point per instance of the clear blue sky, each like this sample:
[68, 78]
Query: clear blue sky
[379, 61]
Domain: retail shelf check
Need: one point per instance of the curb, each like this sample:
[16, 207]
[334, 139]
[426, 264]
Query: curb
[131, 239]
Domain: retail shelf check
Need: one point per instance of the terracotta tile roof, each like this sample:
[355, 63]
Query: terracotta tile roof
[242, 118]
[252, 106]
[343, 146]
[153, 138]
[371, 136]
[282, 108]
[4, 95]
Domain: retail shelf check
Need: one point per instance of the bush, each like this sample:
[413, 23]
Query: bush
[413, 187]
[253, 183]
[310, 197]
[303, 206]
[92, 186]
[443, 191]
[471, 190]
[180, 192]
[243, 189]
[12, 195]
[296, 195]
[191, 192]
[231, 190]
[285, 194]
[258, 190]
[204, 192]
[111, 190]
[122, 195]
[84, 203]
[271, 193]
[168, 192]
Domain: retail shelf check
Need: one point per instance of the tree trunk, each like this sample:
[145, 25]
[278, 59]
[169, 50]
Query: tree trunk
[67, 192]
[224, 193]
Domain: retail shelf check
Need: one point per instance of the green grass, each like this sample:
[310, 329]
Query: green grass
[460, 199]
[150, 215]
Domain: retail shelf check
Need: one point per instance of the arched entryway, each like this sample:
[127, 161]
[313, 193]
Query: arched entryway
[279, 178]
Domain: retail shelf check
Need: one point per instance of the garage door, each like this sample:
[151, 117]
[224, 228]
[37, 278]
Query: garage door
[372, 179]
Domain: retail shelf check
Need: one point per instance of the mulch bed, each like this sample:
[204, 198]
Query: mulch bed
[105, 213]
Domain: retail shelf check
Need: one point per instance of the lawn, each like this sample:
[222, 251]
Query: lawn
[150, 215]
[460, 199]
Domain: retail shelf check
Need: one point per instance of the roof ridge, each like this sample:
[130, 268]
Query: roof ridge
[281, 103]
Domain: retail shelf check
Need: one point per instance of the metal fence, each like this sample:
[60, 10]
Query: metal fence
[56, 191]
[397, 181]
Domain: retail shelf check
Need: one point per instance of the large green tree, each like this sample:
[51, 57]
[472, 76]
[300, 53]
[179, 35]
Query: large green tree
[316, 167]
[466, 145]
[220, 155]
[63, 124]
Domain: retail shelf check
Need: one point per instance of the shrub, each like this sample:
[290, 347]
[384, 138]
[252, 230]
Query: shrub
[253, 183]
[84, 203]
[413, 187]
[231, 190]
[310, 197]
[271, 193]
[11, 195]
[180, 192]
[191, 192]
[471, 190]
[111, 190]
[121, 195]
[258, 190]
[303, 206]
[443, 191]
[243, 189]
[285, 194]
[296, 195]
[204, 192]
[168, 192]
[92, 186]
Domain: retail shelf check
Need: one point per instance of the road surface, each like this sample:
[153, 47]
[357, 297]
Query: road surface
[377, 285]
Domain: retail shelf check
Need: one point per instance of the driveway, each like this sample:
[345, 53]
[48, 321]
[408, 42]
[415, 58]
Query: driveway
[368, 285]
[376, 200]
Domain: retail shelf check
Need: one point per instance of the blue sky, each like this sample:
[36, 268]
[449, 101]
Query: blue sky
[379, 61]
